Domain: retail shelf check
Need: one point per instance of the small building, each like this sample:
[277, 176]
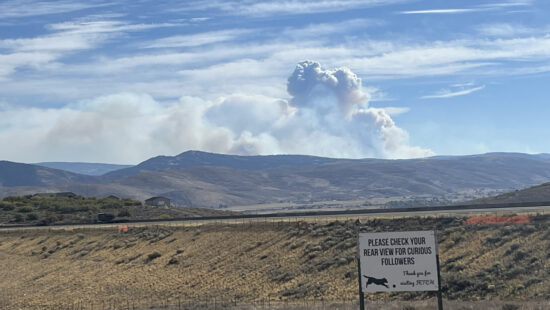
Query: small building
[158, 202]
[112, 197]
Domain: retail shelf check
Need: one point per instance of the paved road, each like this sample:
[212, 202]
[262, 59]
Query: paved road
[295, 216]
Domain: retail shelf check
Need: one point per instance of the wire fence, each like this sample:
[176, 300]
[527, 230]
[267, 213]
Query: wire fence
[186, 304]
[306, 304]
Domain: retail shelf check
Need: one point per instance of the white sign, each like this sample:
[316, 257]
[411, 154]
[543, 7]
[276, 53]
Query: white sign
[398, 261]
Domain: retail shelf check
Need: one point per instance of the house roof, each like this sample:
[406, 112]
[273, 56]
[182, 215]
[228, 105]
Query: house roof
[157, 197]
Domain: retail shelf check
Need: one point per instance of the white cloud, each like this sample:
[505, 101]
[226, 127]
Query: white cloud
[57, 42]
[465, 84]
[26, 8]
[394, 111]
[94, 26]
[321, 30]
[229, 66]
[239, 68]
[446, 93]
[198, 39]
[443, 11]
[286, 7]
[67, 37]
[70, 36]
[478, 8]
[199, 19]
[511, 3]
[308, 7]
[503, 30]
[377, 59]
[10, 62]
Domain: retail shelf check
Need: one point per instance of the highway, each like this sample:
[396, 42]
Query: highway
[295, 216]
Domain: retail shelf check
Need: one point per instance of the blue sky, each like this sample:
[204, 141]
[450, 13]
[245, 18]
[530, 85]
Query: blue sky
[122, 81]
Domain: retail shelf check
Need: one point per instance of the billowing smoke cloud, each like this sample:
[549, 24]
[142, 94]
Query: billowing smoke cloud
[326, 115]
[324, 90]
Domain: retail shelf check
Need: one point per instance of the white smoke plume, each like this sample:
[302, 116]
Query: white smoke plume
[326, 115]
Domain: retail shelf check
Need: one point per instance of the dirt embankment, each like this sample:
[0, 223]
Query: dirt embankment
[269, 261]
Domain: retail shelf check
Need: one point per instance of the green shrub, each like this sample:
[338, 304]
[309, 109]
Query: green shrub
[173, 261]
[32, 216]
[53, 217]
[25, 209]
[281, 276]
[153, 256]
[19, 218]
[13, 198]
[124, 213]
[520, 255]
[6, 206]
[515, 271]
[65, 205]
[127, 202]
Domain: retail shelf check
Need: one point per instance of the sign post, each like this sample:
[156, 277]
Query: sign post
[361, 295]
[399, 262]
[439, 297]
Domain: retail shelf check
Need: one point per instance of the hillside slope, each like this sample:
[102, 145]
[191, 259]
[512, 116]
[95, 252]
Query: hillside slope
[261, 261]
[535, 193]
[210, 180]
[84, 168]
[50, 210]
[17, 174]
[191, 159]
[339, 180]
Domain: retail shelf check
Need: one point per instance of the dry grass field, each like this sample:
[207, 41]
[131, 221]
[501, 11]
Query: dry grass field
[273, 263]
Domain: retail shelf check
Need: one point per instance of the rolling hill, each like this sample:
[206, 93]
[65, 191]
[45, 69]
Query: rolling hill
[191, 159]
[16, 174]
[534, 193]
[83, 168]
[209, 180]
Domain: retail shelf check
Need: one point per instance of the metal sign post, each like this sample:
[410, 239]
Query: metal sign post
[439, 295]
[361, 294]
[398, 262]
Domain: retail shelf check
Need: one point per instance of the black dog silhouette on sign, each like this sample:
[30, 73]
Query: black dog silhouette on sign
[371, 280]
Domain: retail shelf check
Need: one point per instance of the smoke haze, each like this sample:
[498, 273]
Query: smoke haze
[327, 114]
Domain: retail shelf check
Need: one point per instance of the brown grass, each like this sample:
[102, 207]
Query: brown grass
[247, 262]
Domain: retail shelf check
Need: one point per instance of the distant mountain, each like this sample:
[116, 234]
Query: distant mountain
[541, 156]
[84, 168]
[191, 159]
[16, 174]
[208, 180]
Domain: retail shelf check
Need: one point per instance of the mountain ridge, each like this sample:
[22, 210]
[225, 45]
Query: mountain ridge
[198, 158]
[203, 179]
[17, 174]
